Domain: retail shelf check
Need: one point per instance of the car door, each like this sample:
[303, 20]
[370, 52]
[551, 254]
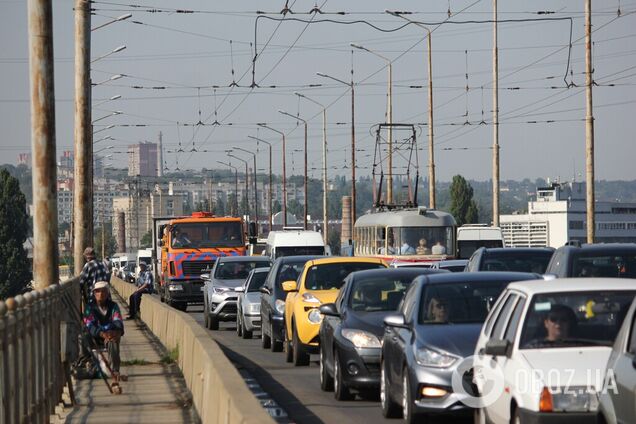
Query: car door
[329, 327]
[624, 398]
[402, 338]
[267, 297]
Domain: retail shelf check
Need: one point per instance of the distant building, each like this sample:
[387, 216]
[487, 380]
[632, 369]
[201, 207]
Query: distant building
[24, 159]
[558, 215]
[143, 160]
[65, 167]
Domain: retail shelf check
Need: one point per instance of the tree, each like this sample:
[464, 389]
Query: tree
[15, 270]
[463, 207]
[146, 240]
[219, 207]
[110, 244]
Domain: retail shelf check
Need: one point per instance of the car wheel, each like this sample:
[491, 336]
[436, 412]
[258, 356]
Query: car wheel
[206, 313]
[300, 357]
[239, 325]
[408, 413]
[326, 380]
[287, 347]
[516, 417]
[214, 323]
[275, 345]
[390, 409]
[479, 416]
[265, 339]
[245, 333]
[340, 389]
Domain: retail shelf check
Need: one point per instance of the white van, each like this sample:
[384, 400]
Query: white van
[471, 237]
[145, 256]
[294, 242]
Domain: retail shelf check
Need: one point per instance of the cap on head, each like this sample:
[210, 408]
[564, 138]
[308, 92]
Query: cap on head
[101, 285]
[89, 252]
[142, 265]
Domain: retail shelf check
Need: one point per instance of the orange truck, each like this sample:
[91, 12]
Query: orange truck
[189, 247]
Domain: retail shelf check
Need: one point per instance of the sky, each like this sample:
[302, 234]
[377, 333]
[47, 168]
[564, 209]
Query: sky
[189, 76]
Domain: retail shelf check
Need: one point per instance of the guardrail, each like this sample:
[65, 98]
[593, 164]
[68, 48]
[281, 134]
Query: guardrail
[219, 393]
[34, 352]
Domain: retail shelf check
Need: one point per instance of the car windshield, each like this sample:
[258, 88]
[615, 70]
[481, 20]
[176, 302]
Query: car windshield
[466, 248]
[299, 250]
[459, 303]
[517, 261]
[236, 270]
[604, 265]
[207, 234]
[374, 294]
[257, 281]
[331, 276]
[590, 318]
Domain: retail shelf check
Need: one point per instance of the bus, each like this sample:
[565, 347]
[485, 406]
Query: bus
[409, 234]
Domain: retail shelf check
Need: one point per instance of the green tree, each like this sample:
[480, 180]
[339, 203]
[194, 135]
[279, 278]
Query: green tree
[463, 207]
[15, 270]
[334, 241]
[219, 207]
[146, 240]
[110, 244]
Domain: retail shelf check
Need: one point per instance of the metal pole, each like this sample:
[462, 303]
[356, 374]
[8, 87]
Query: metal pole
[353, 157]
[431, 150]
[305, 208]
[495, 121]
[389, 191]
[270, 188]
[325, 219]
[82, 202]
[284, 185]
[589, 126]
[45, 249]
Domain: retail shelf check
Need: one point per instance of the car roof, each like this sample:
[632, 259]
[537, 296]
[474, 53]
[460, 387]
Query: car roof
[505, 250]
[261, 269]
[298, 258]
[395, 272]
[601, 247]
[244, 259]
[453, 262]
[346, 260]
[574, 285]
[458, 277]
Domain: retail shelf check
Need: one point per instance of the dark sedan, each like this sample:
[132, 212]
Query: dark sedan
[435, 328]
[615, 260]
[517, 259]
[352, 327]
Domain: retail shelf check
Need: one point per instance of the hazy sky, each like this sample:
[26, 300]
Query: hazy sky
[542, 130]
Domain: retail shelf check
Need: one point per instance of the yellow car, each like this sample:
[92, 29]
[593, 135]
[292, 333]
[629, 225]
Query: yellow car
[318, 283]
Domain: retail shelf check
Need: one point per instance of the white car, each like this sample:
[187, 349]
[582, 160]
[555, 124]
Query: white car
[543, 350]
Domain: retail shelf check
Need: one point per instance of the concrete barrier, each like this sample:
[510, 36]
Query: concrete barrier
[219, 392]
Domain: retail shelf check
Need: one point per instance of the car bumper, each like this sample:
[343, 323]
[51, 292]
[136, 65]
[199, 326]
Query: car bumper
[361, 367]
[534, 417]
[252, 322]
[278, 327]
[421, 377]
[223, 309]
[191, 291]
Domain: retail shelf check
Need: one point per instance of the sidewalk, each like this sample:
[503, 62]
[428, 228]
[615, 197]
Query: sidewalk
[154, 393]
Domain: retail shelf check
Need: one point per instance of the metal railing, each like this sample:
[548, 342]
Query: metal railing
[35, 350]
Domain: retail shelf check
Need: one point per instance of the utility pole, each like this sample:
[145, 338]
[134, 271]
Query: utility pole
[495, 121]
[589, 125]
[82, 201]
[305, 175]
[45, 249]
[353, 155]
[431, 151]
[269, 199]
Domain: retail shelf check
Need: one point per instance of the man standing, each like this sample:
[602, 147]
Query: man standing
[144, 285]
[92, 272]
[104, 323]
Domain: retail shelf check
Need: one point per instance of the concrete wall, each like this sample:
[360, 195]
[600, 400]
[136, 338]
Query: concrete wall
[219, 392]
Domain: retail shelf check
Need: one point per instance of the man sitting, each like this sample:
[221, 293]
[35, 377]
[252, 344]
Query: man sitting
[145, 284]
[104, 323]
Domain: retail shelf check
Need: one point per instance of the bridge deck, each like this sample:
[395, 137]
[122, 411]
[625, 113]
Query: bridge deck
[154, 393]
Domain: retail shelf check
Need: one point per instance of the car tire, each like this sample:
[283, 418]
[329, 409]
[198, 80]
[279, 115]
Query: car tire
[265, 339]
[214, 323]
[245, 333]
[408, 413]
[206, 313]
[300, 357]
[239, 325]
[340, 389]
[287, 348]
[326, 380]
[275, 345]
[390, 409]
[516, 416]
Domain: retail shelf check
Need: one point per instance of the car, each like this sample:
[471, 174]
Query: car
[273, 299]
[617, 397]
[128, 273]
[453, 265]
[426, 341]
[248, 314]
[223, 284]
[594, 260]
[318, 283]
[411, 264]
[353, 325]
[520, 259]
[548, 344]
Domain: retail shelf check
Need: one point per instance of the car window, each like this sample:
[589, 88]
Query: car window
[494, 315]
[632, 337]
[237, 270]
[408, 302]
[618, 265]
[517, 261]
[378, 293]
[502, 318]
[257, 281]
[513, 324]
[289, 271]
[331, 276]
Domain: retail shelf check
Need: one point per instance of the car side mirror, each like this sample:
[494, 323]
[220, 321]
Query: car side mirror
[498, 348]
[290, 286]
[264, 290]
[329, 310]
[205, 276]
[549, 277]
[395, 320]
[239, 289]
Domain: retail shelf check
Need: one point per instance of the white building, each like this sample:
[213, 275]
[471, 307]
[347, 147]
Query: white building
[558, 215]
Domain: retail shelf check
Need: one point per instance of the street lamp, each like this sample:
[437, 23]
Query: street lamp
[103, 129]
[353, 144]
[118, 96]
[115, 113]
[270, 177]
[247, 203]
[115, 50]
[255, 189]
[305, 180]
[108, 137]
[431, 154]
[284, 202]
[113, 78]
[235, 184]
[389, 190]
[324, 165]
[119, 18]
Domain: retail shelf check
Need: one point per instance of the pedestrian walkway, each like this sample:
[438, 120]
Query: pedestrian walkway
[154, 393]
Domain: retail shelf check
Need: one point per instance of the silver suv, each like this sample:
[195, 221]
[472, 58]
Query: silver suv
[223, 285]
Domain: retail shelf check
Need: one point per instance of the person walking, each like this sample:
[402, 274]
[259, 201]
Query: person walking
[93, 271]
[144, 285]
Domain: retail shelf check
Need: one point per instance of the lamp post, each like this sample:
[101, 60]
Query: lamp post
[119, 18]
[118, 96]
[431, 152]
[389, 113]
[115, 113]
[269, 200]
[284, 202]
[247, 203]
[353, 144]
[325, 219]
[113, 51]
[235, 183]
[305, 177]
[255, 188]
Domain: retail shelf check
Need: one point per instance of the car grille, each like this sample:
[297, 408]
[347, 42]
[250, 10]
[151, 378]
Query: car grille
[196, 267]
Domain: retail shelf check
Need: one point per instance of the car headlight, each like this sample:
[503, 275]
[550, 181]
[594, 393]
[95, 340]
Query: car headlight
[280, 306]
[310, 298]
[217, 289]
[175, 287]
[362, 339]
[315, 316]
[574, 399]
[430, 358]
[254, 308]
